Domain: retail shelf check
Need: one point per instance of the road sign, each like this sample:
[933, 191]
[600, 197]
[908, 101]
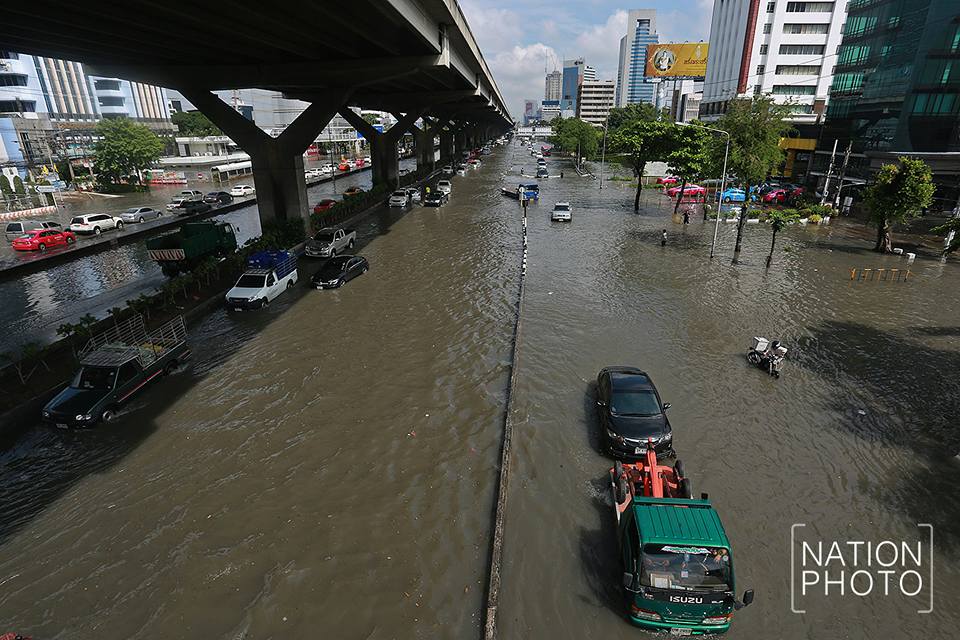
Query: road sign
[44, 188]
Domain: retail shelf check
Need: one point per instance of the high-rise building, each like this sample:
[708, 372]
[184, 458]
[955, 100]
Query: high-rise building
[785, 49]
[595, 101]
[589, 73]
[530, 111]
[896, 91]
[572, 77]
[552, 89]
[632, 85]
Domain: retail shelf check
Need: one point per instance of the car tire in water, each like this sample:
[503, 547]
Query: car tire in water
[351, 244]
[679, 470]
[140, 220]
[266, 303]
[617, 470]
[108, 416]
[119, 225]
[42, 247]
[290, 284]
[96, 231]
[726, 199]
[623, 489]
[686, 488]
[70, 241]
[753, 358]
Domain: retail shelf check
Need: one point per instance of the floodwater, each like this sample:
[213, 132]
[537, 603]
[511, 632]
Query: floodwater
[326, 468]
[40, 302]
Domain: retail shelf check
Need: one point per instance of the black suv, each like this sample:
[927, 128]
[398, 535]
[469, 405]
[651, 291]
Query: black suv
[631, 413]
[190, 207]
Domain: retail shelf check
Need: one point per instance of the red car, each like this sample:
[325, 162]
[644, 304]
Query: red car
[777, 196]
[43, 239]
[324, 205]
[668, 180]
[689, 190]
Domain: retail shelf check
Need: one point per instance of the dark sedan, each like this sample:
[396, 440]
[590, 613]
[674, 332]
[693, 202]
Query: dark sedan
[190, 207]
[218, 197]
[631, 413]
[336, 271]
[434, 199]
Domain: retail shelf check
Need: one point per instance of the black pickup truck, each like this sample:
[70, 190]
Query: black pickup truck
[114, 366]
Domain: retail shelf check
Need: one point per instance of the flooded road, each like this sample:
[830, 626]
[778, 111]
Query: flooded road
[323, 470]
[41, 302]
[326, 468]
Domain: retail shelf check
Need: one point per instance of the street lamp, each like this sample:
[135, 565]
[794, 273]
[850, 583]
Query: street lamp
[603, 153]
[723, 179]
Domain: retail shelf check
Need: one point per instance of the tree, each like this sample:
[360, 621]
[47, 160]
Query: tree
[620, 116]
[18, 185]
[898, 194]
[688, 156]
[779, 219]
[756, 126]
[125, 148]
[573, 134]
[5, 187]
[194, 123]
[642, 141]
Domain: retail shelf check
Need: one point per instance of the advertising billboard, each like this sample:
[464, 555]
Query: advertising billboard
[677, 60]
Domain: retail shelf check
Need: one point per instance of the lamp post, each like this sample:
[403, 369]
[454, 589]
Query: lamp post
[723, 180]
[603, 154]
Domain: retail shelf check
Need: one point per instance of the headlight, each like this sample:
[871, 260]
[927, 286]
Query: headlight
[717, 620]
[87, 417]
[616, 436]
[667, 438]
[79, 417]
[252, 299]
[46, 414]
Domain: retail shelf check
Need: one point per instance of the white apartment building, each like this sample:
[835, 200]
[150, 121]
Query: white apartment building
[783, 48]
[595, 101]
[552, 85]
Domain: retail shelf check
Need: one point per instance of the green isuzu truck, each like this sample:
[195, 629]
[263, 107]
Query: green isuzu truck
[182, 250]
[678, 571]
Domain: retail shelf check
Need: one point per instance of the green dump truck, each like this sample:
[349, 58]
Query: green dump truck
[181, 251]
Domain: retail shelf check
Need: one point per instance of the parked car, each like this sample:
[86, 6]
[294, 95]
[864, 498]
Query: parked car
[191, 194]
[352, 191]
[434, 199]
[776, 196]
[324, 205]
[336, 271]
[734, 194]
[139, 214]
[242, 190]
[95, 223]
[399, 199]
[190, 207]
[689, 190]
[43, 239]
[668, 180]
[313, 174]
[447, 170]
[542, 172]
[414, 194]
[445, 186]
[218, 197]
[113, 367]
[561, 212]
[330, 241]
[16, 229]
[631, 413]
[268, 274]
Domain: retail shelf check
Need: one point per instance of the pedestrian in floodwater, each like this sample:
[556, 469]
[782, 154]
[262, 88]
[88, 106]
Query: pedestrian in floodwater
[663, 238]
[561, 174]
[686, 217]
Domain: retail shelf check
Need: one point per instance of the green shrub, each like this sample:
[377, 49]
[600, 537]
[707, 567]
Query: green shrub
[814, 218]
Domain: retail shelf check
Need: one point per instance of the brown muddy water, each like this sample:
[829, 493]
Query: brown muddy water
[326, 469]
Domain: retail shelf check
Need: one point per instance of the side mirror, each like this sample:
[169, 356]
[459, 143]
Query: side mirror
[747, 598]
[666, 405]
[629, 582]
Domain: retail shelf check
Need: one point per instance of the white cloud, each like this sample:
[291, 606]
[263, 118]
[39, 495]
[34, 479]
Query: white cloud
[519, 74]
[600, 45]
[494, 29]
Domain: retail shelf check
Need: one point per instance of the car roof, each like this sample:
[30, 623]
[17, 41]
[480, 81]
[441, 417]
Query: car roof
[679, 521]
[627, 379]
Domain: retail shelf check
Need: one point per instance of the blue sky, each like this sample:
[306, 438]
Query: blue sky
[517, 36]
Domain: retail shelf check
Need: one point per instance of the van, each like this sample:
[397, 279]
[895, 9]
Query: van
[16, 229]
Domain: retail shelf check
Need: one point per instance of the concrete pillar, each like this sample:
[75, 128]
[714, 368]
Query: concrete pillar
[383, 146]
[277, 162]
[459, 142]
[424, 137]
[446, 145]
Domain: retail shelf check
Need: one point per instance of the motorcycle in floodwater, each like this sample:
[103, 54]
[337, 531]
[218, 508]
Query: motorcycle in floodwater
[767, 355]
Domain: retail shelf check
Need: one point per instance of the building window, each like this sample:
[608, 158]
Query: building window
[793, 27]
[809, 7]
[757, 89]
[801, 49]
[764, 48]
[767, 28]
[793, 90]
[9, 55]
[798, 69]
[936, 104]
[12, 80]
[17, 106]
[853, 53]
[771, 6]
[760, 69]
[110, 101]
[847, 82]
[800, 108]
[106, 85]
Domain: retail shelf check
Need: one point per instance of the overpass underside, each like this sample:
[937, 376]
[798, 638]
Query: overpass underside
[413, 58]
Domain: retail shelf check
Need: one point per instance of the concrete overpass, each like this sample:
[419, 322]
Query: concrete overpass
[414, 58]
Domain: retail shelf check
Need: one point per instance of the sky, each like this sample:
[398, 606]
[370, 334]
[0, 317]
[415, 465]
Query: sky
[517, 36]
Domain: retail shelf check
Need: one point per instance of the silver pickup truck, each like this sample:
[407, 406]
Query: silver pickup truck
[330, 241]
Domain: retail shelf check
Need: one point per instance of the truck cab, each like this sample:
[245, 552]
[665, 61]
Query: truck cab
[268, 274]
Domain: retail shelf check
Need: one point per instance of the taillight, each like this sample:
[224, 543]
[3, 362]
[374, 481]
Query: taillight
[644, 613]
[724, 619]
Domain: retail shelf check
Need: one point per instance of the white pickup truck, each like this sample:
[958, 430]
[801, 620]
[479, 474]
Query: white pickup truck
[330, 241]
[268, 274]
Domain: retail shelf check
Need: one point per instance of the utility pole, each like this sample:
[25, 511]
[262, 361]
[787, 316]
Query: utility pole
[603, 153]
[826, 184]
[843, 173]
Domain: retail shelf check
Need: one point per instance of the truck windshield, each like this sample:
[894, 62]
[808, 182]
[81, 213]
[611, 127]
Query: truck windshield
[248, 281]
[635, 403]
[683, 568]
[323, 237]
[101, 378]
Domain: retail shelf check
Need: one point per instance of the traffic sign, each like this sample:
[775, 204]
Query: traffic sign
[45, 188]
